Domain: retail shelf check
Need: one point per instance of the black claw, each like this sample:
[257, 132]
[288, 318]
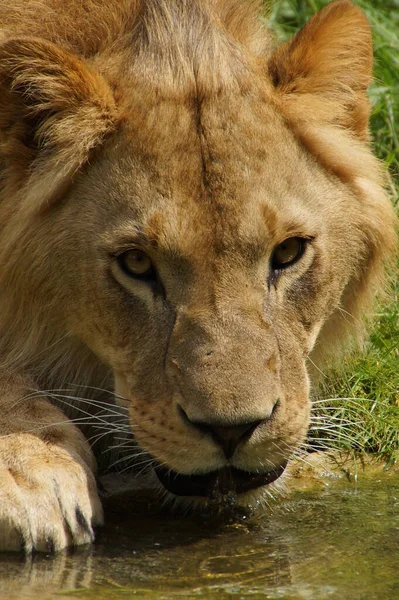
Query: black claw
[50, 545]
[82, 521]
[22, 544]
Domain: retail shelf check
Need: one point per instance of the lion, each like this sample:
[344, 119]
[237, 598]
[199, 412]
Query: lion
[191, 215]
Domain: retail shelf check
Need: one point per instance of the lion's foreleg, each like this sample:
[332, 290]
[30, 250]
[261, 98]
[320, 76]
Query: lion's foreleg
[48, 494]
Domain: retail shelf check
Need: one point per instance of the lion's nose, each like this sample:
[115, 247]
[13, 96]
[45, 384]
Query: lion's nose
[226, 436]
[231, 436]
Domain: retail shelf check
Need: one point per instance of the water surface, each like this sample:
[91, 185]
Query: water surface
[340, 541]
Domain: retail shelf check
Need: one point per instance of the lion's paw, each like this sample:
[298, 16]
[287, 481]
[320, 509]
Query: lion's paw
[48, 497]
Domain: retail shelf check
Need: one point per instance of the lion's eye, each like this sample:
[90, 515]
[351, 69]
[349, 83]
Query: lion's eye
[287, 253]
[136, 263]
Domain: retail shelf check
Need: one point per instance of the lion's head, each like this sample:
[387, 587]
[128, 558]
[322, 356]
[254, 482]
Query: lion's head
[196, 213]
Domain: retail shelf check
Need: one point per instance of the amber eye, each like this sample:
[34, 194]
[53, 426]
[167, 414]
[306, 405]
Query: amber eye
[287, 253]
[136, 263]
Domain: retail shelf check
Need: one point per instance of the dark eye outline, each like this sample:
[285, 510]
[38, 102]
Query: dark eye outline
[149, 276]
[303, 243]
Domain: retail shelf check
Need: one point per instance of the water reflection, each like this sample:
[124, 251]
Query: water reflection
[338, 542]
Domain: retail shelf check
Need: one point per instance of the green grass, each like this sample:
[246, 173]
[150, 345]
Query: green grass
[358, 408]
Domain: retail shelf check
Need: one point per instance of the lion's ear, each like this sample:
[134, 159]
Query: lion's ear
[323, 72]
[54, 108]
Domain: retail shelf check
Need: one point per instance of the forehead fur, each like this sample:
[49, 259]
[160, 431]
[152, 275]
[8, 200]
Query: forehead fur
[148, 21]
[197, 36]
[183, 45]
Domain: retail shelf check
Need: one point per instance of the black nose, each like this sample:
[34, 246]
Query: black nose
[231, 436]
[227, 436]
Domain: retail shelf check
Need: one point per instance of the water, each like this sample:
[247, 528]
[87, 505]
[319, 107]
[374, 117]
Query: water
[339, 542]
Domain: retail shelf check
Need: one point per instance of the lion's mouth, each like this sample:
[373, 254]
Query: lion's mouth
[216, 483]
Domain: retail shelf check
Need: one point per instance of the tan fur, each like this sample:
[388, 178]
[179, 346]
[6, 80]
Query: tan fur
[175, 127]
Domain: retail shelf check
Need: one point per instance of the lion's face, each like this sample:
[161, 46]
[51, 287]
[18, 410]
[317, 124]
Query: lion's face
[204, 271]
[202, 222]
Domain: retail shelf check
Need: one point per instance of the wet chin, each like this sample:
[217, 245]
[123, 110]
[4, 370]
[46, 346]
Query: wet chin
[216, 484]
